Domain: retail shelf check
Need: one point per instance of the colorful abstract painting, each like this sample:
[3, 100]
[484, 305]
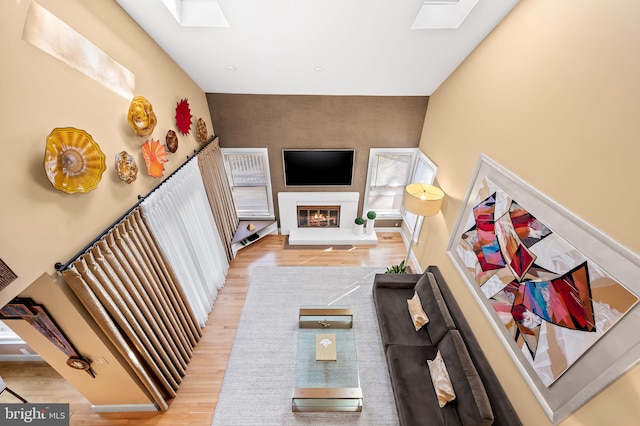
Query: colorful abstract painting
[554, 302]
[560, 294]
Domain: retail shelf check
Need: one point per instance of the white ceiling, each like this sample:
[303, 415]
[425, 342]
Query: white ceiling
[320, 47]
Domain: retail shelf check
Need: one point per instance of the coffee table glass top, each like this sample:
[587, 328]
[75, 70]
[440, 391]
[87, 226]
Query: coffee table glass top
[326, 385]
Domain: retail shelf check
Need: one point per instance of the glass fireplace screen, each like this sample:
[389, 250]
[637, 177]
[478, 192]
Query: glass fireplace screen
[318, 216]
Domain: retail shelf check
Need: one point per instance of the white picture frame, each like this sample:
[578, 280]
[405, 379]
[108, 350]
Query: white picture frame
[615, 352]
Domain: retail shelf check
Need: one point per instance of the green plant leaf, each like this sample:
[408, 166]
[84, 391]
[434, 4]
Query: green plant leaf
[397, 269]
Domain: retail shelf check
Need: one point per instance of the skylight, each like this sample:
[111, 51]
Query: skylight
[443, 14]
[197, 13]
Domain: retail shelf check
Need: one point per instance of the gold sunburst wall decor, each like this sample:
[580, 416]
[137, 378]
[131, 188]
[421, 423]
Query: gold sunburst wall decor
[73, 161]
[183, 117]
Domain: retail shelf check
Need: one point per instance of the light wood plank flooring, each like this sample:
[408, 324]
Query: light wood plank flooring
[197, 397]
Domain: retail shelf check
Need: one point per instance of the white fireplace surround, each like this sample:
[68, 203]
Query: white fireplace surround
[288, 203]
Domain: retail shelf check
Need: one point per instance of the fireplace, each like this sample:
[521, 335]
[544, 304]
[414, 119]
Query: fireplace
[298, 218]
[318, 216]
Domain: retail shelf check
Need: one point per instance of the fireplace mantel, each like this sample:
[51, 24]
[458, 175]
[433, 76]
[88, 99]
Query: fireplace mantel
[288, 203]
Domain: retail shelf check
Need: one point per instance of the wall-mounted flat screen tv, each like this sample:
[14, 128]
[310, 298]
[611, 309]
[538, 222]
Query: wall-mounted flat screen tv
[318, 167]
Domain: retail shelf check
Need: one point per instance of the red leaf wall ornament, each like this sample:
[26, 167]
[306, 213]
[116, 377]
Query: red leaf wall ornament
[183, 117]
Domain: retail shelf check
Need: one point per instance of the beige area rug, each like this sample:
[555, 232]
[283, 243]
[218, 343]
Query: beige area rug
[258, 382]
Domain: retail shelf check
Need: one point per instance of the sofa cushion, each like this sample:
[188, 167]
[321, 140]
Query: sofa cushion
[413, 391]
[472, 400]
[417, 314]
[440, 379]
[440, 320]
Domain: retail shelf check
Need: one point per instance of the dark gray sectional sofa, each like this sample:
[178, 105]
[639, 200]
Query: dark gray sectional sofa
[480, 399]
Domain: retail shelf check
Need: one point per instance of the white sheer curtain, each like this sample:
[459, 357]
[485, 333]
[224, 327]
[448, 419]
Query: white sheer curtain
[179, 215]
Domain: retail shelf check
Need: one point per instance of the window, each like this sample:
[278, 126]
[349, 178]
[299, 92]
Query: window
[388, 174]
[248, 173]
[390, 171]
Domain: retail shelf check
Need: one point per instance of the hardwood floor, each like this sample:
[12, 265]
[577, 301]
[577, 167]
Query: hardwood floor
[197, 397]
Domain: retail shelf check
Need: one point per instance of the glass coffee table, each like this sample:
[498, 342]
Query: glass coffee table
[326, 385]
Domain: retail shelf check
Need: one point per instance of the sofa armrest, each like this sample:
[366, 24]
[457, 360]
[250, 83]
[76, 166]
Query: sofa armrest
[396, 280]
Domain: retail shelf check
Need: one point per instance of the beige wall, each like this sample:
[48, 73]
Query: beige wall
[40, 225]
[553, 94]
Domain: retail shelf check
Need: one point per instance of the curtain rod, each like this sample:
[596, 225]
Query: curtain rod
[61, 267]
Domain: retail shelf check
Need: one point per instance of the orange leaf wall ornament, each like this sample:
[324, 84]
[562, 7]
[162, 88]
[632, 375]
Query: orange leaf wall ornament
[154, 156]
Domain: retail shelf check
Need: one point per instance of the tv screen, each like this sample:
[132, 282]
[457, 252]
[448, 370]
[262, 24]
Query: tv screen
[318, 167]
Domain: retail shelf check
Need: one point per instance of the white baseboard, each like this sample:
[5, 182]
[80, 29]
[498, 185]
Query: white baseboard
[124, 408]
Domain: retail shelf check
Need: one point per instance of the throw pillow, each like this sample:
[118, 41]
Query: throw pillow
[441, 381]
[418, 316]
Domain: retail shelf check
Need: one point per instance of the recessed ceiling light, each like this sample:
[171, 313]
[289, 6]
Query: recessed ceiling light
[231, 68]
[318, 68]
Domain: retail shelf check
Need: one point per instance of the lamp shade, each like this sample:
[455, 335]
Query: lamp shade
[422, 199]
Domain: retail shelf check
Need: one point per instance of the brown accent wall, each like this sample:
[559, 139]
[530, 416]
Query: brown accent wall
[284, 121]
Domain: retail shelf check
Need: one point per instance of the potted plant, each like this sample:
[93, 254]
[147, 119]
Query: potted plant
[397, 269]
[371, 219]
[359, 225]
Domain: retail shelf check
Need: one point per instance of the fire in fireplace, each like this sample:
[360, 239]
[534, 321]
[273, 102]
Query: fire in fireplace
[318, 216]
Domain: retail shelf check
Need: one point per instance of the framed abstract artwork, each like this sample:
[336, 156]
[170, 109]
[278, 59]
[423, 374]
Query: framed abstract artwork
[561, 295]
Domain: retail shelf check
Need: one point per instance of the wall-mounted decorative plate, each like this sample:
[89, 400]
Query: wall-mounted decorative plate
[154, 157]
[73, 161]
[201, 130]
[183, 116]
[141, 117]
[126, 167]
[172, 141]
